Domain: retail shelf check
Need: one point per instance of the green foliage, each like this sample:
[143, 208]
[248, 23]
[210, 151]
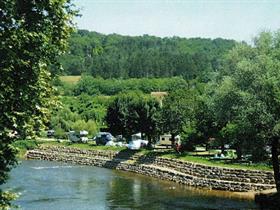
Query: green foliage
[79, 125]
[204, 125]
[79, 113]
[6, 199]
[64, 88]
[240, 107]
[25, 144]
[131, 113]
[92, 127]
[245, 102]
[32, 35]
[116, 56]
[96, 86]
[89, 126]
[59, 132]
[177, 111]
[63, 118]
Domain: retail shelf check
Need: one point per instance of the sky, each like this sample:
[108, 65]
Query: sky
[232, 19]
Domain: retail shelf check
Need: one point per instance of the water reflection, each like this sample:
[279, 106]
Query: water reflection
[129, 190]
[52, 185]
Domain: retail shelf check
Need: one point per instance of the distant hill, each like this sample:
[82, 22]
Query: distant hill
[117, 56]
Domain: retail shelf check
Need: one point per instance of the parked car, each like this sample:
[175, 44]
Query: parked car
[137, 144]
[77, 136]
[50, 133]
[103, 137]
[83, 136]
[115, 144]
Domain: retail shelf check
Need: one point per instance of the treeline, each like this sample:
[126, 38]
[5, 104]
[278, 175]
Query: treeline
[96, 86]
[116, 56]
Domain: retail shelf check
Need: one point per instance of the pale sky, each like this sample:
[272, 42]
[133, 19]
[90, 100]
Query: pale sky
[232, 19]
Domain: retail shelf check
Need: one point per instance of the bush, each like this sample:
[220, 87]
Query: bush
[59, 133]
[25, 144]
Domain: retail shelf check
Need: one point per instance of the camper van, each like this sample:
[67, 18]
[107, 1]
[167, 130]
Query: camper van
[137, 142]
[165, 140]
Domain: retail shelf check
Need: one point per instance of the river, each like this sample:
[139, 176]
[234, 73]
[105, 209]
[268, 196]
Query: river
[58, 186]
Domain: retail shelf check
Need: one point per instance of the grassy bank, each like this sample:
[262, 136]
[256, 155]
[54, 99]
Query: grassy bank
[220, 163]
[24, 145]
[88, 146]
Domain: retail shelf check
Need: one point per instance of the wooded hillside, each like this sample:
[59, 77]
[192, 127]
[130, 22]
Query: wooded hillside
[116, 56]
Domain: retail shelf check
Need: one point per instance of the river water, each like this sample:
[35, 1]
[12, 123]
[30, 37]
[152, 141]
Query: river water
[54, 185]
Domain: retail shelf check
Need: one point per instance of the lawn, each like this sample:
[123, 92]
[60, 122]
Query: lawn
[221, 163]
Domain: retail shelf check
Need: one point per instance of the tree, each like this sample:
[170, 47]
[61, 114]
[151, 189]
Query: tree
[177, 111]
[202, 127]
[130, 113]
[148, 110]
[32, 35]
[255, 71]
[227, 104]
[117, 116]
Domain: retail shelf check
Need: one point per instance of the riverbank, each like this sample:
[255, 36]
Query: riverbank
[183, 172]
[195, 157]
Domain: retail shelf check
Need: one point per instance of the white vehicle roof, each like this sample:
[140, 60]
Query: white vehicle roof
[83, 132]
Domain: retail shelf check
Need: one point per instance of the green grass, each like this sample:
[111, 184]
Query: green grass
[70, 79]
[24, 145]
[88, 146]
[220, 163]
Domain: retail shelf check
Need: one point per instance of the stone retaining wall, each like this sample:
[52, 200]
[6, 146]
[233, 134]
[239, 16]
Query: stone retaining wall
[183, 172]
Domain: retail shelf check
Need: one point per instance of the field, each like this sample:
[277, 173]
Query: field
[70, 79]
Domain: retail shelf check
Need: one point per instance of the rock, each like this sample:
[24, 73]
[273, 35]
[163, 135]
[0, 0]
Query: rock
[188, 173]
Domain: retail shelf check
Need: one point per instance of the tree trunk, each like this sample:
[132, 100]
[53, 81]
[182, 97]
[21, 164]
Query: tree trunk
[173, 141]
[238, 151]
[149, 141]
[223, 148]
[275, 162]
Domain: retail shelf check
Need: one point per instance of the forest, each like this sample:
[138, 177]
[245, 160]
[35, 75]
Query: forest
[117, 56]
